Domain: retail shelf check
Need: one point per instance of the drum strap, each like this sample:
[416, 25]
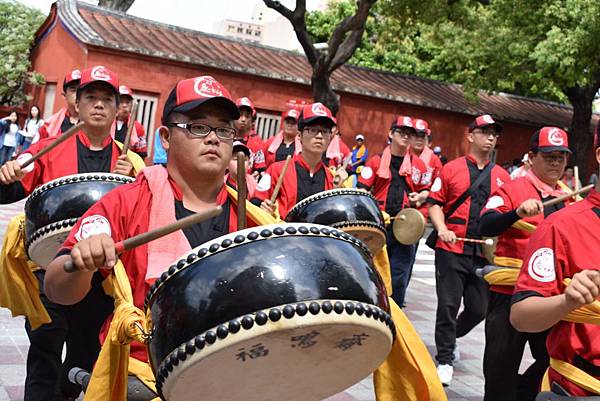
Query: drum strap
[19, 288]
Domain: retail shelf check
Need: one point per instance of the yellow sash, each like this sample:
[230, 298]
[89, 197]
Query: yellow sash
[507, 276]
[19, 289]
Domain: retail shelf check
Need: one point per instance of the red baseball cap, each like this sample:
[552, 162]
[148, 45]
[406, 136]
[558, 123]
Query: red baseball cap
[315, 113]
[421, 126]
[193, 92]
[485, 121]
[99, 73]
[403, 121]
[73, 76]
[291, 113]
[239, 146]
[245, 102]
[125, 90]
[550, 139]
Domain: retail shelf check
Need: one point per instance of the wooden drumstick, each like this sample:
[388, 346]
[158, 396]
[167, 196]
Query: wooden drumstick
[562, 198]
[132, 118]
[241, 190]
[68, 133]
[576, 177]
[488, 241]
[146, 237]
[280, 180]
[150, 149]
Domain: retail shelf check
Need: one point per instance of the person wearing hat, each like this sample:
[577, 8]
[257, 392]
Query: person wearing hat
[521, 171]
[197, 133]
[231, 177]
[287, 140]
[247, 135]
[512, 213]
[90, 150]
[456, 199]
[419, 145]
[558, 287]
[138, 134]
[67, 116]
[359, 153]
[395, 179]
[306, 173]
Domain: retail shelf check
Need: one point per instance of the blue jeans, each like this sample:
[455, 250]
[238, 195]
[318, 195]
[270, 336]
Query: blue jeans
[402, 258]
[6, 154]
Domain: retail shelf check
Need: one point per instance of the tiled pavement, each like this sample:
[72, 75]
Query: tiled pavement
[421, 303]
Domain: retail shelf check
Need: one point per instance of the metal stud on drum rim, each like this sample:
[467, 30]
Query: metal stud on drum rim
[408, 226]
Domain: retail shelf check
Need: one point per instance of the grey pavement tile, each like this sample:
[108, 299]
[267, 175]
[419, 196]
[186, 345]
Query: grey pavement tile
[341, 397]
[12, 375]
[4, 396]
[15, 393]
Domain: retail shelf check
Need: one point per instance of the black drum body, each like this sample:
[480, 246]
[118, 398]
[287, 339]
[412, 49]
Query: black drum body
[351, 210]
[260, 313]
[52, 210]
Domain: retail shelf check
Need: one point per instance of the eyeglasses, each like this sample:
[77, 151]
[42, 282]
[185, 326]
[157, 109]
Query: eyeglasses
[403, 131]
[557, 158]
[314, 131]
[202, 130]
[487, 132]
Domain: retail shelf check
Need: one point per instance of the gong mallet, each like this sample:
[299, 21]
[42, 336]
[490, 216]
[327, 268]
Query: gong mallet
[241, 190]
[280, 180]
[562, 198]
[68, 133]
[487, 241]
[132, 120]
[146, 237]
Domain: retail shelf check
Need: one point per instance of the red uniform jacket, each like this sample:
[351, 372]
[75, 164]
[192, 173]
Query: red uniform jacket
[434, 166]
[371, 179]
[454, 179]
[51, 127]
[288, 193]
[257, 156]
[126, 212]
[564, 244]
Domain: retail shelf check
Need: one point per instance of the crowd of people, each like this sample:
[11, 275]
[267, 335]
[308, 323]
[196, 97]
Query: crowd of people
[520, 290]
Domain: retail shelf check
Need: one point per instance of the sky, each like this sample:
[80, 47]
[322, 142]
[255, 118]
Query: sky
[194, 14]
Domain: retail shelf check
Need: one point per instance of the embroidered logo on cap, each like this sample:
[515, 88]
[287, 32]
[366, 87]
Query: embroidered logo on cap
[293, 113]
[245, 102]
[76, 74]
[420, 124]
[207, 86]
[319, 109]
[100, 73]
[488, 119]
[93, 225]
[555, 137]
[407, 121]
[541, 265]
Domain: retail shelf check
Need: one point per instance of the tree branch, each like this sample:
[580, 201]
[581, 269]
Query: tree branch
[297, 19]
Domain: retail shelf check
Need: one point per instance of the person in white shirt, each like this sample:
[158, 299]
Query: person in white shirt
[10, 129]
[32, 127]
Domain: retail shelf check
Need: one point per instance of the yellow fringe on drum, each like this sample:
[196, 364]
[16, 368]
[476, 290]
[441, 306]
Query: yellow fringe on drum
[19, 289]
[408, 373]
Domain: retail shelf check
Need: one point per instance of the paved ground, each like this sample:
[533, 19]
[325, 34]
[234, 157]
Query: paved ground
[421, 303]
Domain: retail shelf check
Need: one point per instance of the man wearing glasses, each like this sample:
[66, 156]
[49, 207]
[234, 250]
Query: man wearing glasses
[395, 179]
[197, 134]
[456, 199]
[306, 173]
[512, 213]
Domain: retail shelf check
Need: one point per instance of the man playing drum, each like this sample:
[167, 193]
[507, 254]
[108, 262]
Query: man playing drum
[512, 213]
[90, 150]
[197, 133]
[471, 178]
[564, 247]
[395, 179]
[306, 174]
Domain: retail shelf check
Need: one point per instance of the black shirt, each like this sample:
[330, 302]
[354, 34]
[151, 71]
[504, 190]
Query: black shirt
[66, 124]
[283, 151]
[91, 161]
[121, 133]
[478, 200]
[398, 187]
[208, 230]
[308, 185]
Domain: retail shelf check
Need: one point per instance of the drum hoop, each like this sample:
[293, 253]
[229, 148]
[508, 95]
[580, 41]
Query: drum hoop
[328, 194]
[309, 307]
[243, 237]
[357, 223]
[73, 178]
[39, 233]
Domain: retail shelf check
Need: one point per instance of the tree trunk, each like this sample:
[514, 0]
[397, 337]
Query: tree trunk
[321, 87]
[116, 5]
[581, 136]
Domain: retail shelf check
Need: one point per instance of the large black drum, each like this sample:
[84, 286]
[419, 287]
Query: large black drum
[291, 312]
[352, 210]
[52, 210]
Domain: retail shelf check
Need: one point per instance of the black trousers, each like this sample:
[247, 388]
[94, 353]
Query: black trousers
[456, 281]
[76, 325]
[503, 353]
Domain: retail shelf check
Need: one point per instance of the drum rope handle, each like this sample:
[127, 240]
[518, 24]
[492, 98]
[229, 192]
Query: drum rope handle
[144, 334]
